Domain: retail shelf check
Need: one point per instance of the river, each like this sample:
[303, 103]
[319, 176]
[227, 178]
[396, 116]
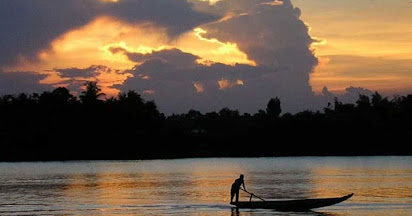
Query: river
[381, 186]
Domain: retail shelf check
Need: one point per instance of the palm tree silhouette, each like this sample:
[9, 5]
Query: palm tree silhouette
[91, 94]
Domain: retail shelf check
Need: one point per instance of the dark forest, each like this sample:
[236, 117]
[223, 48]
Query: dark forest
[59, 126]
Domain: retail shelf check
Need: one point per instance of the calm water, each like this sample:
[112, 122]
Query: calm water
[382, 186]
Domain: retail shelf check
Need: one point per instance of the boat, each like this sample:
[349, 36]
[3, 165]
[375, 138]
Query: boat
[291, 205]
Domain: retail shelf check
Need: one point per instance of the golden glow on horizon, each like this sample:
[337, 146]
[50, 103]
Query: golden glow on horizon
[359, 29]
[338, 74]
[338, 84]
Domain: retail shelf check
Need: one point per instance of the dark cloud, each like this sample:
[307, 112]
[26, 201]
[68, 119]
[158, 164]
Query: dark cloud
[178, 88]
[176, 15]
[21, 82]
[164, 71]
[274, 36]
[77, 72]
[28, 26]
[351, 95]
[89, 72]
[74, 78]
[270, 34]
[171, 56]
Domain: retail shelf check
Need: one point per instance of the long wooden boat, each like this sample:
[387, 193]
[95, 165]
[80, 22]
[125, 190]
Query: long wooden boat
[292, 205]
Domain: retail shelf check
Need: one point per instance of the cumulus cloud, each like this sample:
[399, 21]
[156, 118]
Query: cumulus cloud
[21, 82]
[77, 72]
[274, 3]
[269, 32]
[171, 56]
[74, 78]
[177, 16]
[270, 35]
[29, 26]
[180, 87]
[350, 95]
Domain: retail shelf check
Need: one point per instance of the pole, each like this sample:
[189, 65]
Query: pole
[252, 194]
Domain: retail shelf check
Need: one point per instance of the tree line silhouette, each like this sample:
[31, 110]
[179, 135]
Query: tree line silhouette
[57, 125]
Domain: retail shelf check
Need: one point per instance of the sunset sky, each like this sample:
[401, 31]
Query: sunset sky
[194, 54]
[368, 43]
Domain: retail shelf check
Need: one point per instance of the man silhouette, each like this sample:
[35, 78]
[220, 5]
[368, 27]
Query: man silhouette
[236, 187]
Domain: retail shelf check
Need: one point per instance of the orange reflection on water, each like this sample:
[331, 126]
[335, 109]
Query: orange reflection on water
[202, 186]
[108, 191]
[364, 182]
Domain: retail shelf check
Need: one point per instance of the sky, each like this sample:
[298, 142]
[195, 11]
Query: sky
[368, 43]
[196, 54]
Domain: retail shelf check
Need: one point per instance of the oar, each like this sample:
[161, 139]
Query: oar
[252, 194]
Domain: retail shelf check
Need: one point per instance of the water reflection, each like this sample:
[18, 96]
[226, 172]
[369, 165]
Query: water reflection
[381, 185]
[373, 182]
[237, 212]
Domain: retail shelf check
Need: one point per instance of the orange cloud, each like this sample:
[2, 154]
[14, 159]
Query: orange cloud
[273, 3]
[144, 77]
[226, 84]
[210, 1]
[149, 92]
[91, 44]
[199, 87]
[211, 49]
